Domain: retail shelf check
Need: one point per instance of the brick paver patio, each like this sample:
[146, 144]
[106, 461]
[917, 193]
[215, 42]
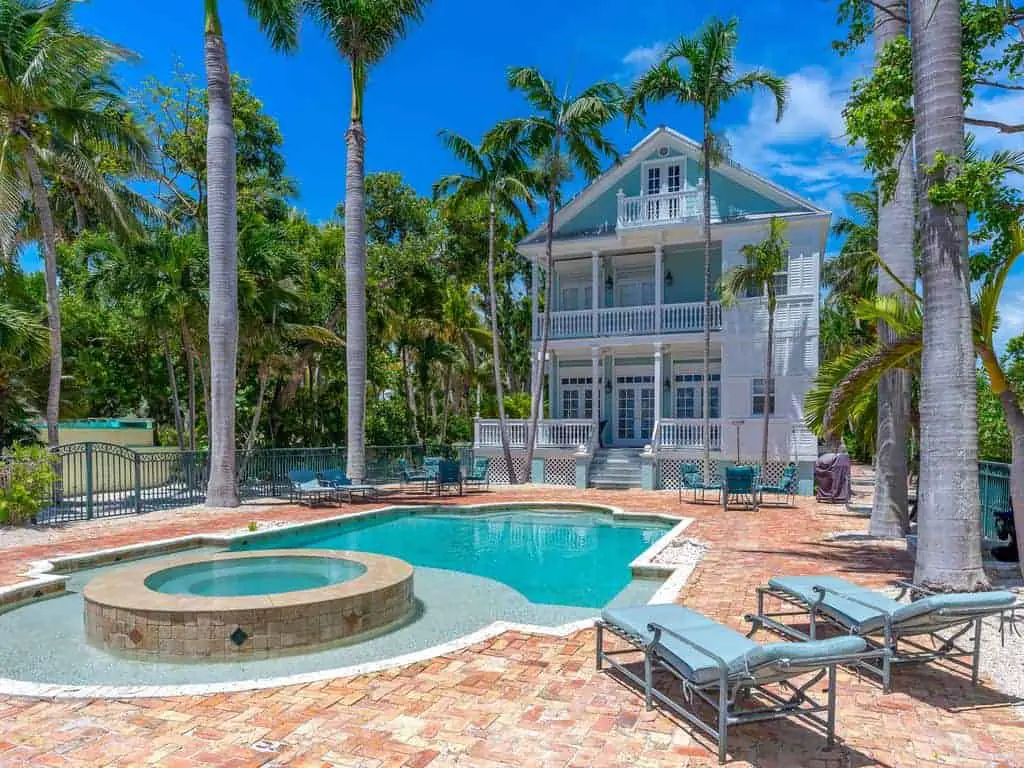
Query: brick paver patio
[522, 700]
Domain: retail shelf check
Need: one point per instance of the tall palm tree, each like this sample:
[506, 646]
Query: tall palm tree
[564, 133]
[708, 82]
[846, 386]
[364, 33]
[279, 20]
[949, 518]
[889, 514]
[45, 60]
[765, 260]
[500, 175]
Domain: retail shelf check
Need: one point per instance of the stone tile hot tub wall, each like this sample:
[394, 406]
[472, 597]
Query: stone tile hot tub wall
[125, 616]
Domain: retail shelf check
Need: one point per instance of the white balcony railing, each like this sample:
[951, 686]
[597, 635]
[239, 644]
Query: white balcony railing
[652, 210]
[551, 433]
[634, 321]
[689, 317]
[687, 433]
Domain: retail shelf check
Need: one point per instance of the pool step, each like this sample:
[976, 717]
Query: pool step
[616, 468]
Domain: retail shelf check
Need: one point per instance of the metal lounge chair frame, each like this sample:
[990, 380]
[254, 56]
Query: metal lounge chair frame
[724, 693]
[300, 492]
[343, 485]
[893, 639]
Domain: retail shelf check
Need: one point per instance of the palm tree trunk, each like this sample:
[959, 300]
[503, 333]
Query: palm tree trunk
[949, 518]
[499, 388]
[706, 386]
[769, 397]
[355, 295]
[190, 366]
[41, 201]
[889, 514]
[172, 379]
[222, 225]
[537, 395]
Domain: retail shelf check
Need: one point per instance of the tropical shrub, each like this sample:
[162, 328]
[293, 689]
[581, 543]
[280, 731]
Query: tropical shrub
[26, 478]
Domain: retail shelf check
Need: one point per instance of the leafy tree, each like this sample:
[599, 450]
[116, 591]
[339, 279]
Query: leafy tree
[564, 133]
[499, 175]
[756, 278]
[708, 80]
[54, 131]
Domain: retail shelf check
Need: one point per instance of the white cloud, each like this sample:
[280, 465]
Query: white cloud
[644, 56]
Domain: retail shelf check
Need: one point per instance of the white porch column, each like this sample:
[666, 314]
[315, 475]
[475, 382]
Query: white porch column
[659, 287]
[657, 382]
[595, 282]
[552, 385]
[595, 388]
[535, 278]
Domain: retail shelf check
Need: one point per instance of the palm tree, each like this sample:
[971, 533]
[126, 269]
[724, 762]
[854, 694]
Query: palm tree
[709, 82]
[279, 19]
[896, 252]
[949, 518]
[498, 174]
[846, 386]
[45, 61]
[564, 133]
[765, 260]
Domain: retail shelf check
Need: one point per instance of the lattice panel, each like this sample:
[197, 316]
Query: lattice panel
[772, 475]
[497, 473]
[669, 469]
[559, 470]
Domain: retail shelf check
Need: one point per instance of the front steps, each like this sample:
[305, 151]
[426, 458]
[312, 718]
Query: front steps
[618, 468]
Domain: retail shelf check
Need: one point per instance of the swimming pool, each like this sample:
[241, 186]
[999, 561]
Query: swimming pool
[559, 557]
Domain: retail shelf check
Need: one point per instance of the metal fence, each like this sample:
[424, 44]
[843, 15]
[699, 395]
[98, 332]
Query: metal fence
[104, 480]
[994, 486]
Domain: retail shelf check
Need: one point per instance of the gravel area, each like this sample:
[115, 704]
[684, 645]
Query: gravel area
[1002, 656]
[682, 551]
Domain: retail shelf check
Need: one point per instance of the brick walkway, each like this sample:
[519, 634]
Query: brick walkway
[520, 700]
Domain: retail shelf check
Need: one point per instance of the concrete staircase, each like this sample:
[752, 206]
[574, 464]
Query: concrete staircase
[616, 468]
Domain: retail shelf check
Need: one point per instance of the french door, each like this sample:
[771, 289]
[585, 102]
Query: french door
[634, 409]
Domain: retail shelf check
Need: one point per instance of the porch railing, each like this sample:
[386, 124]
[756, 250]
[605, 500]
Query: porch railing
[687, 434]
[634, 321]
[551, 433]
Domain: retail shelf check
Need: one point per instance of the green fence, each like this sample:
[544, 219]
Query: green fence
[994, 486]
[105, 480]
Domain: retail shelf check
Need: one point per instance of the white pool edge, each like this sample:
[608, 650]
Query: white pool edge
[43, 581]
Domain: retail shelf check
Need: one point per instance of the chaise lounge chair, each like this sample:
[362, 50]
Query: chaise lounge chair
[785, 489]
[723, 668]
[898, 628]
[305, 488]
[343, 485]
[690, 479]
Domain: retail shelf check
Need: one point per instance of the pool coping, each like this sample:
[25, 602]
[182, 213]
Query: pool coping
[47, 578]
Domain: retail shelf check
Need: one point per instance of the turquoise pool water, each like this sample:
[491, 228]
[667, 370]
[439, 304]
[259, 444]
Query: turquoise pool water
[558, 557]
[253, 576]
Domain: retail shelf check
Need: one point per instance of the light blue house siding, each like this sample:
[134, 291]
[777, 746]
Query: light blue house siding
[733, 200]
[686, 265]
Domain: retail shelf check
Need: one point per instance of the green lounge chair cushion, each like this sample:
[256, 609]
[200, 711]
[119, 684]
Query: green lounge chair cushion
[742, 655]
[863, 619]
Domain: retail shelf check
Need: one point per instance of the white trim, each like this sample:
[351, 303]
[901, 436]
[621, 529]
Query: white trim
[41, 576]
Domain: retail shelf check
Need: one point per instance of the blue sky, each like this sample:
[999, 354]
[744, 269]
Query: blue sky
[449, 73]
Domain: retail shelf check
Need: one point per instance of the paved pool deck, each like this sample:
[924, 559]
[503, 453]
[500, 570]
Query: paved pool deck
[521, 699]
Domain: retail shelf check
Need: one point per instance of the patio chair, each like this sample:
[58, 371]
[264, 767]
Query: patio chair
[741, 680]
[343, 485]
[691, 479]
[305, 488]
[929, 627]
[784, 489]
[448, 475]
[410, 474]
[478, 475]
[739, 487]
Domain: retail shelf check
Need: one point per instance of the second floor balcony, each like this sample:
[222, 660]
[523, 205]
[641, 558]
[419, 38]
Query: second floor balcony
[681, 207]
[633, 321]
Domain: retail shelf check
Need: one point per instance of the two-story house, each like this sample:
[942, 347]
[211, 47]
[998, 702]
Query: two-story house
[624, 373]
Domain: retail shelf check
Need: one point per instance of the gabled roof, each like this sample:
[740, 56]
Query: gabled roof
[665, 136]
